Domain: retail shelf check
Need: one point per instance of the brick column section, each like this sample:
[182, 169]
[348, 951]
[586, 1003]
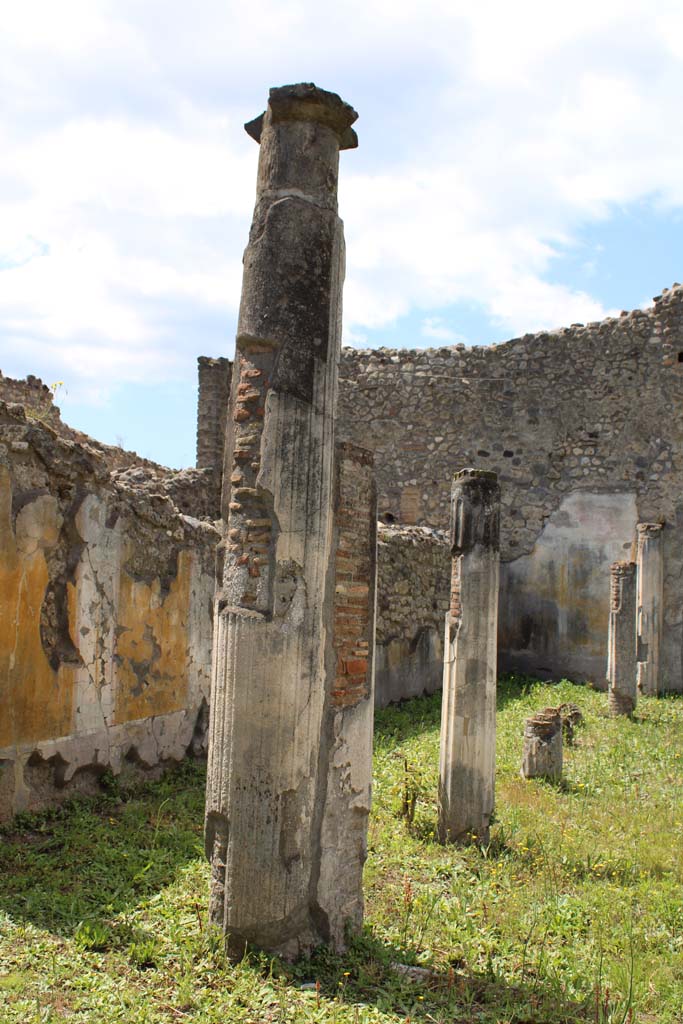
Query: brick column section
[266, 785]
[650, 605]
[622, 672]
[467, 763]
[346, 753]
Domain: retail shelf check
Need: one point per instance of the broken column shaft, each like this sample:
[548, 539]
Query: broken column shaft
[621, 657]
[266, 786]
[542, 750]
[649, 605]
[468, 718]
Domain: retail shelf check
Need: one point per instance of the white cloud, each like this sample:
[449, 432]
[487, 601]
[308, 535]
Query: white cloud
[489, 135]
[434, 327]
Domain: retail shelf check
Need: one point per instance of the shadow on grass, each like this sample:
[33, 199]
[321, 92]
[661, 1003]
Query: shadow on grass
[95, 857]
[375, 973]
[73, 870]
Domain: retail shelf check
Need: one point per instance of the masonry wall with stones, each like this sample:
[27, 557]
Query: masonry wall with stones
[413, 585]
[584, 427]
[106, 591]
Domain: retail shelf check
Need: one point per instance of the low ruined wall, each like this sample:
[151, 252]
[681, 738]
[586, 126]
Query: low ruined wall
[195, 491]
[36, 398]
[413, 579]
[569, 416]
[105, 620]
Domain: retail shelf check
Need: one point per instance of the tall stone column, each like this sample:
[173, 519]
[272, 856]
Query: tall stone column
[266, 788]
[468, 717]
[650, 605]
[622, 690]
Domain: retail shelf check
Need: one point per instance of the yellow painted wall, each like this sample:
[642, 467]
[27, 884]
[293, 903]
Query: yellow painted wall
[153, 637]
[36, 702]
[144, 653]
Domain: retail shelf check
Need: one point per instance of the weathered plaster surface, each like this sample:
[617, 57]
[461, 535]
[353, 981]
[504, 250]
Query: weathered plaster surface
[105, 626]
[554, 602]
[37, 700]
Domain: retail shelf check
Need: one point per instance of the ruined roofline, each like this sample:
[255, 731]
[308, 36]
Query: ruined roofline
[64, 457]
[660, 304]
[44, 410]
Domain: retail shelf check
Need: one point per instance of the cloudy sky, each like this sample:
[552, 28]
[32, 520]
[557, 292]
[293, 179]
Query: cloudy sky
[520, 167]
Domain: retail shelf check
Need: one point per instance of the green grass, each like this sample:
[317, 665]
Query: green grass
[573, 913]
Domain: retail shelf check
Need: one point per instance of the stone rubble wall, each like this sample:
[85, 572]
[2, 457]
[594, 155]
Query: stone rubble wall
[36, 398]
[194, 491]
[413, 589]
[595, 408]
[105, 620]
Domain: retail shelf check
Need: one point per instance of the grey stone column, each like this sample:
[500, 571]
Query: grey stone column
[468, 718]
[649, 605]
[621, 657]
[213, 403]
[266, 788]
[213, 400]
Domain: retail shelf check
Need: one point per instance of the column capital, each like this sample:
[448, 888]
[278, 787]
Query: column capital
[649, 529]
[306, 102]
[475, 510]
[623, 568]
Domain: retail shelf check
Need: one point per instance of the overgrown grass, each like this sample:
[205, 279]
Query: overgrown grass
[573, 913]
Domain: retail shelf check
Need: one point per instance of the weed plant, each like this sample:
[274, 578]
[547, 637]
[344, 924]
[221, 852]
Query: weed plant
[573, 912]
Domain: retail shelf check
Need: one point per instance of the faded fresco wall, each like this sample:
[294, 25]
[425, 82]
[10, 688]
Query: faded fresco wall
[105, 624]
[595, 408]
[554, 602]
